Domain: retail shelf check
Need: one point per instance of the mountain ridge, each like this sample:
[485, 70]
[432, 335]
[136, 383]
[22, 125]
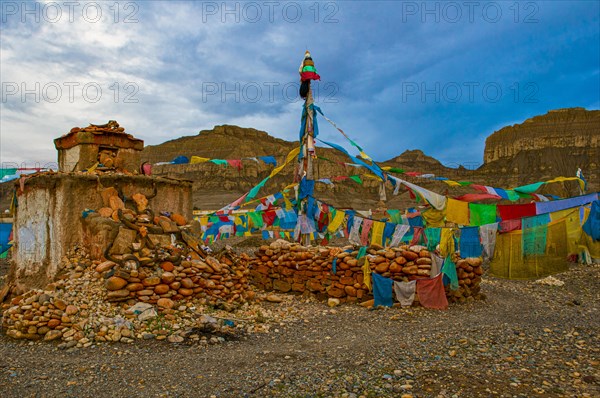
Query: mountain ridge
[539, 148]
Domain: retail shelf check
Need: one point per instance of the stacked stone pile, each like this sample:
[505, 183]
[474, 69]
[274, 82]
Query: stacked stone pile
[159, 259]
[111, 127]
[469, 271]
[286, 267]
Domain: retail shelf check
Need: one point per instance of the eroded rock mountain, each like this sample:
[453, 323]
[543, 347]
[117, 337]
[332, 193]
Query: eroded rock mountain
[540, 148]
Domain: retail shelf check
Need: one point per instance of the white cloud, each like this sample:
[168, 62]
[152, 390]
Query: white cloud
[175, 49]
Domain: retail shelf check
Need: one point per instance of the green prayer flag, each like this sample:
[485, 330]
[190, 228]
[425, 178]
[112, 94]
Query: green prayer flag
[361, 252]
[395, 216]
[396, 170]
[534, 234]
[357, 179]
[481, 214]
[433, 237]
[531, 188]
[256, 218]
[219, 161]
[7, 172]
[355, 144]
[254, 191]
[449, 271]
[512, 195]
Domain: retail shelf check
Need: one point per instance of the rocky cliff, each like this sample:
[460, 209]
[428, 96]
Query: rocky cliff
[546, 146]
[571, 128]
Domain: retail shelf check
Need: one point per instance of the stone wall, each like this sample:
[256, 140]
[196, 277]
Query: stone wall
[286, 267]
[48, 223]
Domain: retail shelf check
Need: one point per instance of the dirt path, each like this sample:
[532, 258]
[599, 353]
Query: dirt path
[525, 340]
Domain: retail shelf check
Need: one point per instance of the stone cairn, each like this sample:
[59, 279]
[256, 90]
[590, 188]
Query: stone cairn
[157, 259]
[469, 271]
[286, 267]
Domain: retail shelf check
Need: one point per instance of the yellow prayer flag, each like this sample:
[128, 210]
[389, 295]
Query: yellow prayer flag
[377, 233]
[572, 224]
[198, 159]
[434, 217]
[294, 152]
[452, 183]
[457, 212]
[367, 274]
[562, 179]
[288, 204]
[447, 242]
[365, 156]
[336, 221]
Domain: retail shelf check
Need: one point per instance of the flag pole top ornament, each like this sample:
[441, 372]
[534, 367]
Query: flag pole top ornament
[307, 72]
[307, 68]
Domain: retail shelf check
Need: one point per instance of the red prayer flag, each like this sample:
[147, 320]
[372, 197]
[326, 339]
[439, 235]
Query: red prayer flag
[237, 163]
[431, 293]
[509, 212]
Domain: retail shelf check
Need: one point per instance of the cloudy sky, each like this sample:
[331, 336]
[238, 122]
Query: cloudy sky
[436, 76]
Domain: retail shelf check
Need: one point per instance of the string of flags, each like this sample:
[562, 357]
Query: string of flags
[488, 192]
[235, 163]
[322, 221]
[9, 174]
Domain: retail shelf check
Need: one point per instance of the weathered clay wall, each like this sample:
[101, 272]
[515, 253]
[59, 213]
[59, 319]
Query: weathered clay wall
[84, 156]
[48, 217]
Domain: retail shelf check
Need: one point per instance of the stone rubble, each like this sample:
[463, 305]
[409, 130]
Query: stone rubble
[77, 311]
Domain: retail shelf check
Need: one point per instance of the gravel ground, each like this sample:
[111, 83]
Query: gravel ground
[525, 340]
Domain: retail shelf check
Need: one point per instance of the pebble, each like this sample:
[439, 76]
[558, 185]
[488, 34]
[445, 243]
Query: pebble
[273, 298]
[175, 339]
[333, 302]
[52, 335]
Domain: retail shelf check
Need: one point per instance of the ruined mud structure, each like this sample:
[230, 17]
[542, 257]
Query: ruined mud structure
[52, 207]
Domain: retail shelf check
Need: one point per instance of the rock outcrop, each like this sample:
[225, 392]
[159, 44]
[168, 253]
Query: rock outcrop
[546, 146]
[569, 129]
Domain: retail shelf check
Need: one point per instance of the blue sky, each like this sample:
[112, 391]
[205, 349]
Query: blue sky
[396, 75]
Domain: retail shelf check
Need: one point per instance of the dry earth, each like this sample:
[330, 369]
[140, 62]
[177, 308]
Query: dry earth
[525, 340]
